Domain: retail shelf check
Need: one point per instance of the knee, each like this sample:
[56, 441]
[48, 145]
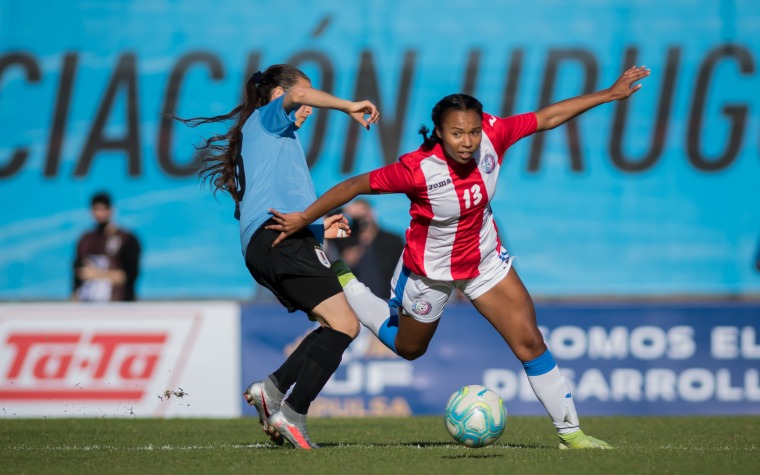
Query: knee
[531, 347]
[410, 353]
[352, 328]
[349, 326]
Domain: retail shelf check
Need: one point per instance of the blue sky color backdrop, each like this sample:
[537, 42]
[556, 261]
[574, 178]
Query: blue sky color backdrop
[671, 229]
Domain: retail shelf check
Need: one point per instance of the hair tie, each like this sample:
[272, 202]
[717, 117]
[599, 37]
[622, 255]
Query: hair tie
[257, 77]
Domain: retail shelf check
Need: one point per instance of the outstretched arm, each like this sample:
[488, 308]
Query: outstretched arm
[336, 196]
[557, 114]
[308, 96]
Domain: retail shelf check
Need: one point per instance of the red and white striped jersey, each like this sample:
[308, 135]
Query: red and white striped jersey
[452, 226]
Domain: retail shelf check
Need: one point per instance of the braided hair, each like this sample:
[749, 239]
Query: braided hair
[453, 102]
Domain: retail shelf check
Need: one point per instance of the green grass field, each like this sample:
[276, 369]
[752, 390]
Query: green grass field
[419, 445]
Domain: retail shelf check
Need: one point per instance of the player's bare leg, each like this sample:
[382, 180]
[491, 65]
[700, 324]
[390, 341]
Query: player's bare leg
[509, 308]
[413, 337]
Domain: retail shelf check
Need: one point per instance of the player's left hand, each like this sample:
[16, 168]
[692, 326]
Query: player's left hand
[358, 111]
[622, 89]
[336, 226]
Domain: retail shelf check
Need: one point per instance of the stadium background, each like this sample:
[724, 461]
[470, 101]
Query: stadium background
[653, 200]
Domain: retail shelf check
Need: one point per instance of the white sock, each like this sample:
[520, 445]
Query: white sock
[372, 311]
[552, 390]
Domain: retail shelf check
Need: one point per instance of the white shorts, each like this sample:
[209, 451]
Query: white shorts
[424, 299]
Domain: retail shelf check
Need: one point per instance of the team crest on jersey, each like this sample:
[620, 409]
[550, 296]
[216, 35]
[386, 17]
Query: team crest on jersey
[488, 163]
[322, 257]
[421, 307]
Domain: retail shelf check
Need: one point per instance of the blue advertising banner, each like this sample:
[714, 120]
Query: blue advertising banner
[653, 196]
[620, 359]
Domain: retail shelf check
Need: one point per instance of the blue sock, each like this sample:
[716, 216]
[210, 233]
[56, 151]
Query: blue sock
[387, 332]
[541, 365]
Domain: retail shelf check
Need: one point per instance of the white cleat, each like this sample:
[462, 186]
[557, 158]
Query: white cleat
[256, 396]
[293, 431]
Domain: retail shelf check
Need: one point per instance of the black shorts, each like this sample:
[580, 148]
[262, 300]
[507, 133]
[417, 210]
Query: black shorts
[296, 270]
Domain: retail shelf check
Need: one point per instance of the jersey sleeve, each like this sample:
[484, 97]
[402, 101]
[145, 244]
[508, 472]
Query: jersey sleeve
[395, 178]
[509, 130]
[274, 119]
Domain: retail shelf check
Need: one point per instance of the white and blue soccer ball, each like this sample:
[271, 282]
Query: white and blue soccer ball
[475, 416]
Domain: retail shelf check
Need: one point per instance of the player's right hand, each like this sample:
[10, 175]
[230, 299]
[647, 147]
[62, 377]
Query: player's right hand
[287, 224]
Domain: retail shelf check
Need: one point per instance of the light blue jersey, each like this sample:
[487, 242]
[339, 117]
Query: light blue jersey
[275, 174]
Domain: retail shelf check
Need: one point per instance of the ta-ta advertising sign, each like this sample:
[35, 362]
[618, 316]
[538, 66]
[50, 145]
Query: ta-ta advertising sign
[130, 360]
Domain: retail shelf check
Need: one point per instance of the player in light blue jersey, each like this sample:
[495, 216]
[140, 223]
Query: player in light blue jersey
[261, 164]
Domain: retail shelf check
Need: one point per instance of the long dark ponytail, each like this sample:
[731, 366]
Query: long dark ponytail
[453, 102]
[217, 163]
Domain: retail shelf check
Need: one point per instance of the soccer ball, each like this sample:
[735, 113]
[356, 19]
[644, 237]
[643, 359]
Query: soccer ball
[475, 416]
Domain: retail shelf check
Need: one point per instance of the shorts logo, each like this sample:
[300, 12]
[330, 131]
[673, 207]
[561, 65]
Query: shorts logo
[421, 307]
[488, 163]
[504, 254]
[322, 257]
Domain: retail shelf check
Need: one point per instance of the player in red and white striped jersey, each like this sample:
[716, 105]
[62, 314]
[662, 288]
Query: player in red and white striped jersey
[453, 243]
[452, 227]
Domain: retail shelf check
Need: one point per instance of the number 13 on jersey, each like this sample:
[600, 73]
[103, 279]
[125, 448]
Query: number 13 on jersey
[472, 196]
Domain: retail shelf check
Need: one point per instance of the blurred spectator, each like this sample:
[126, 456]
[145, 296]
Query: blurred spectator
[370, 251]
[106, 265]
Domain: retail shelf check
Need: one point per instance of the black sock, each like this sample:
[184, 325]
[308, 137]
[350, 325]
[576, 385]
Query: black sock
[287, 373]
[322, 359]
